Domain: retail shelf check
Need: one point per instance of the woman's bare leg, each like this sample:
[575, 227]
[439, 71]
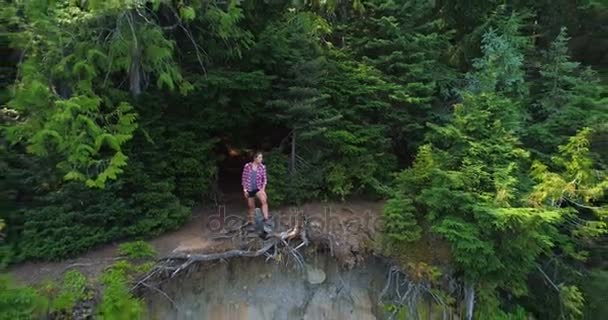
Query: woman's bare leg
[262, 196]
[250, 209]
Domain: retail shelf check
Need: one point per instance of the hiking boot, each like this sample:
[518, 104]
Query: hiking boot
[250, 227]
[268, 225]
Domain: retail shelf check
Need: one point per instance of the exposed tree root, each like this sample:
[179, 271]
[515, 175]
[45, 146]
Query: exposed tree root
[414, 292]
[286, 243]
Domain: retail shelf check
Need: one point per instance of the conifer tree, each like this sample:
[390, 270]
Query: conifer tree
[410, 46]
[72, 56]
[567, 97]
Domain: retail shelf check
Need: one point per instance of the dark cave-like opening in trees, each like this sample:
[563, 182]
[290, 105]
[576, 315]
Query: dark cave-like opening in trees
[236, 147]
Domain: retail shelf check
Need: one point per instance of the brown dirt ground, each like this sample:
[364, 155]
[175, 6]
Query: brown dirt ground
[352, 227]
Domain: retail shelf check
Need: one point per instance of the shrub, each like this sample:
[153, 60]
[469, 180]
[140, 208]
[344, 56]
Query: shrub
[137, 250]
[117, 302]
[400, 222]
[73, 289]
[17, 302]
[70, 221]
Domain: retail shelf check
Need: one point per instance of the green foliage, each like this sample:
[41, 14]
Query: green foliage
[501, 66]
[325, 102]
[338, 181]
[63, 88]
[190, 165]
[75, 219]
[294, 38]
[488, 307]
[70, 221]
[408, 46]
[567, 97]
[573, 302]
[577, 179]
[466, 183]
[73, 290]
[17, 302]
[187, 13]
[469, 183]
[576, 184]
[117, 302]
[278, 178]
[401, 224]
[357, 155]
[594, 288]
[225, 37]
[137, 250]
[155, 207]
[118, 112]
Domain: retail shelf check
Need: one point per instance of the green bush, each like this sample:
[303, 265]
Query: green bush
[19, 302]
[400, 221]
[117, 302]
[595, 289]
[339, 181]
[277, 171]
[76, 218]
[73, 289]
[190, 164]
[153, 206]
[70, 221]
[284, 188]
[137, 250]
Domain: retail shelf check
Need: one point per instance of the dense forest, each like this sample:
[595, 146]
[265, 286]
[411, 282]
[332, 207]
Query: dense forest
[481, 123]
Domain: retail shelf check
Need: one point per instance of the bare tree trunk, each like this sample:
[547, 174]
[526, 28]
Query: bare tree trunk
[469, 300]
[135, 73]
[292, 164]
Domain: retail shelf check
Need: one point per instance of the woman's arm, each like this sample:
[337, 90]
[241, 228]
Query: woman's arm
[264, 178]
[245, 176]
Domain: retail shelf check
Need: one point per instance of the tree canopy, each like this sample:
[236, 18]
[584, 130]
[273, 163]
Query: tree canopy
[481, 123]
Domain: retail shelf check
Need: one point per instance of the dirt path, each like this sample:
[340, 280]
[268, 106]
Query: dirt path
[92, 263]
[350, 225]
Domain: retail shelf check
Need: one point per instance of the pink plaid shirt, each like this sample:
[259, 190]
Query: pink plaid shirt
[260, 176]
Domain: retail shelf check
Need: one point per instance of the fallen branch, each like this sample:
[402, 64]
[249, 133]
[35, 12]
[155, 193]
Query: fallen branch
[191, 258]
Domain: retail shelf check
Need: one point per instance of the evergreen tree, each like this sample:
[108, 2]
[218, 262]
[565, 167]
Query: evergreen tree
[72, 54]
[466, 184]
[501, 67]
[410, 46]
[303, 108]
[567, 96]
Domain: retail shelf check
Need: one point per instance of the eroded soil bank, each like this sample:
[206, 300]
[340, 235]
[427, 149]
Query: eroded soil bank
[343, 281]
[251, 288]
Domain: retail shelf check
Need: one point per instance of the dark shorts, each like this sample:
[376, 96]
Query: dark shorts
[251, 194]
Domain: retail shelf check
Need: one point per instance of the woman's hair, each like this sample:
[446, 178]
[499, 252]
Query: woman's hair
[256, 154]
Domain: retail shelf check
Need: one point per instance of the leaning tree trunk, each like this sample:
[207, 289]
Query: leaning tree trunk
[135, 77]
[469, 300]
[292, 164]
[135, 72]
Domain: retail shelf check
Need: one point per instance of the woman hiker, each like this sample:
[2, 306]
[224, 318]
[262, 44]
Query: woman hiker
[254, 185]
